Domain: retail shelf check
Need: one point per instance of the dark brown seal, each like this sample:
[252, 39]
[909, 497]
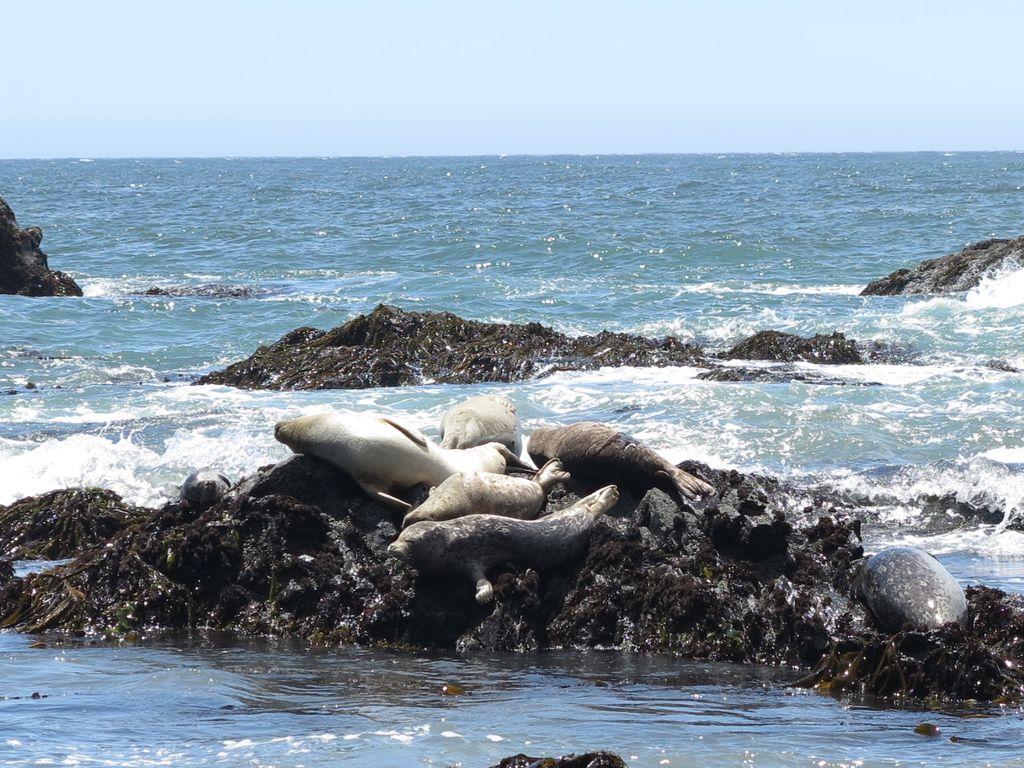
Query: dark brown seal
[601, 452]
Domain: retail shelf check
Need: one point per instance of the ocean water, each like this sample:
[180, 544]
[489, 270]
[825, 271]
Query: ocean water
[708, 248]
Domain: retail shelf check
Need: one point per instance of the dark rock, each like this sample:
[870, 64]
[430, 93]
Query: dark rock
[953, 272]
[834, 349]
[588, 760]
[777, 374]
[23, 267]
[756, 573]
[392, 347]
[212, 291]
[62, 523]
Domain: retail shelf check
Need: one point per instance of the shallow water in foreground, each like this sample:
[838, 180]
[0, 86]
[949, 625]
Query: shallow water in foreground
[181, 701]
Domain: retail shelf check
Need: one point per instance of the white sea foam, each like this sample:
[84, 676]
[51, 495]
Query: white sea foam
[141, 475]
[771, 289]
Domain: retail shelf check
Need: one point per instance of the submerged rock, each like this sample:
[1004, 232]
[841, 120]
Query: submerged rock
[212, 291]
[392, 347]
[953, 272]
[23, 267]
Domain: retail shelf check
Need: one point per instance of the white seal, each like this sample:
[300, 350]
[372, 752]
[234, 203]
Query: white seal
[384, 456]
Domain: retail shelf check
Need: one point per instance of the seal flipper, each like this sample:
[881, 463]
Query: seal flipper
[378, 493]
[484, 591]
[413, 434]
[687, 485]
[484, 588]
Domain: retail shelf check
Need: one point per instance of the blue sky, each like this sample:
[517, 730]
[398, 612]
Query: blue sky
[116, 79]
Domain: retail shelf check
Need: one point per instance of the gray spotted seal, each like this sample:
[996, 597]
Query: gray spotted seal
[475, 543]
[204, 488]
[906, 586]
[480, 420]
[591, 449]
[488, 493]
[384, 456]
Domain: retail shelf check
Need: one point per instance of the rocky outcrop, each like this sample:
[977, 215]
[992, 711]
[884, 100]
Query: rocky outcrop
[953, 272]
[23, 267]
[62, 523]
[391, 347]
[588, 760]
[747, 575]
[833, 349]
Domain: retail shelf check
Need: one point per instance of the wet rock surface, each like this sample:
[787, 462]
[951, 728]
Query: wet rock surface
[211, 291]
[832, 349]
[952, 272]
[392, 347]
[24, 269]
[588, 760]
[755, 573]
[60, 524]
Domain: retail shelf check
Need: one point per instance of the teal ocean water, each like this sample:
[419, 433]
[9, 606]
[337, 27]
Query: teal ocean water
[708, 248]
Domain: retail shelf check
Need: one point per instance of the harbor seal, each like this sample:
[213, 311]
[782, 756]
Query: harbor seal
[475, 543]
[480, 420]
[384, 456]
[904, 586]
[590, 449]
[204, 488]
[487, 493]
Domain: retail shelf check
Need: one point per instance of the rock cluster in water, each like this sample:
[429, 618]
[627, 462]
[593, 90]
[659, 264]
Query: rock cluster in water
[393, 347]
[755, 573]
[952, 272]
[23, 267]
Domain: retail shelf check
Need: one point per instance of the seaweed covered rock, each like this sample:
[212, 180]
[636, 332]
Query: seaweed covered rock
[832, 349]
[953, 272]
[23, 267]
[589, 760]
[979, 662]
[757, 572]
[392, 347]
[62, 523]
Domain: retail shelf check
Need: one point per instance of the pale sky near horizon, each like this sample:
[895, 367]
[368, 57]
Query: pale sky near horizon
[453, 77]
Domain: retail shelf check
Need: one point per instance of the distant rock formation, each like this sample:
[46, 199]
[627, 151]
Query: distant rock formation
[391, 347]
[23, 267]
[834, 349]
[953, 272]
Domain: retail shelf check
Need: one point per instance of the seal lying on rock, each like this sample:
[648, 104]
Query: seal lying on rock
[491, 494]
[596, 450]
[480, 420]
[384, 456]
[204, 488]
[475, 543]
[907, 586]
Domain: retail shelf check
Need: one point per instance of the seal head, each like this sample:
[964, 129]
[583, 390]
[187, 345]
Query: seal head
[906, 586]
[480, 420]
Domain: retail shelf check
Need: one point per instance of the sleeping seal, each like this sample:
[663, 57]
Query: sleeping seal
[384, 456]
[488, 493]
[475, 543]
[590, 449]
[904, 586]
[482, 419]
[204, 488]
